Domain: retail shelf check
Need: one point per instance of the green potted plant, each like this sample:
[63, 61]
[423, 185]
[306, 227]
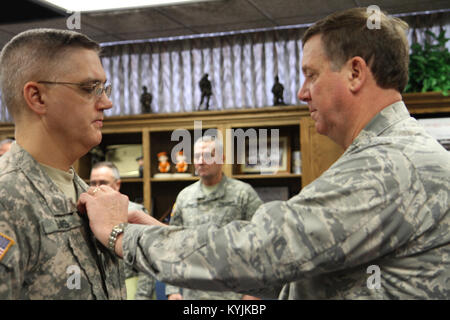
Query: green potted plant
[429, 65]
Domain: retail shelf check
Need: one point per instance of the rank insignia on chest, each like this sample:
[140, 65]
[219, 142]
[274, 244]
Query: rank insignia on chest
[5, 243]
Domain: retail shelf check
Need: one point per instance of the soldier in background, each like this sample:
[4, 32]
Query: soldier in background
[373, 226]
[105, 173]
[53, 83]
[214, 199]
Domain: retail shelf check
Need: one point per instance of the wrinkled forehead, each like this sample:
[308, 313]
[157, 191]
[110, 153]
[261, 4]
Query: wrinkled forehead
[313, 49]
[102, 173]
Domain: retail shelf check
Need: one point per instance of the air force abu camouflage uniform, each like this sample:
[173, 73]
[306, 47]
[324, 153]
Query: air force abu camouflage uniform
[132, 206]
[146, 285]
[54, 255]
[232, 200]
[384, 203]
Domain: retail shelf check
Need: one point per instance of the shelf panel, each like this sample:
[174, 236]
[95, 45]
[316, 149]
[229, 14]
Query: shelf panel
[193, 178]
[125, 180]
[266, 176]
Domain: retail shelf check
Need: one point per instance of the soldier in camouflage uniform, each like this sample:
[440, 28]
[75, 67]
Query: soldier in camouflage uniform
[139, 285]
[47, 250]
[373, 226]
[215, 199]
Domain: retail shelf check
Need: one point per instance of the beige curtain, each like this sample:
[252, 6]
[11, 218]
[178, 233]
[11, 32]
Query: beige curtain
[241, 69]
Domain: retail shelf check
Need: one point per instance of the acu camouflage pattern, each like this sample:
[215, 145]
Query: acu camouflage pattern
[50, 237]
[385, 202]
[232, 200]
[129, 271]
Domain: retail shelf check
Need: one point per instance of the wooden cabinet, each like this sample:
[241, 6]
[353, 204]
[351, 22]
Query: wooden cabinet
[319, 152]
[154, 133]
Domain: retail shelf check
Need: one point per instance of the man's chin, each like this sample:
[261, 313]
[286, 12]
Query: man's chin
[320, 129]
[203, 175]
[95, 140]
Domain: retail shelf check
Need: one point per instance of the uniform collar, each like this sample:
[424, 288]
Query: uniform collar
[382, 121]
[218, 193]
[54, 198]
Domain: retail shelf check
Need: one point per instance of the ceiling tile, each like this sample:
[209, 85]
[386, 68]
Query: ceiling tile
[155, 34]
[209, 17]
[247, 25]
[130, 21]
[302, 8]
[213, 13]
[396, 6]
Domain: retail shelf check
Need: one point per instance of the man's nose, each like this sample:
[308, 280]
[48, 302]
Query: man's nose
[303, 94]
[104, 102]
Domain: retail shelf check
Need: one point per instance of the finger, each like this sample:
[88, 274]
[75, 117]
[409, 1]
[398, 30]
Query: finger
[82, 200]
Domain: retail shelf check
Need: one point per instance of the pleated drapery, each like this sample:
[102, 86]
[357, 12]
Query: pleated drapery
[241, 69]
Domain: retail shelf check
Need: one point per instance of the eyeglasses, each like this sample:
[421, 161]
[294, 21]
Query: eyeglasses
[93, 88]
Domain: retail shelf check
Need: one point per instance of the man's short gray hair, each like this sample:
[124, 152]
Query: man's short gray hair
[218, 145]
[110, 165]
[31, 55]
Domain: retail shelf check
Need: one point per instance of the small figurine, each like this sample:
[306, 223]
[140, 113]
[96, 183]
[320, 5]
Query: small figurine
[181, 165]
[277, 91]
[164, 165]
[205, 87]
[146, 101]
[140, 161]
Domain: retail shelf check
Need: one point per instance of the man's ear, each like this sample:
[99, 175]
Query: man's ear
[118, 183]
[357, 73]
[33, 97]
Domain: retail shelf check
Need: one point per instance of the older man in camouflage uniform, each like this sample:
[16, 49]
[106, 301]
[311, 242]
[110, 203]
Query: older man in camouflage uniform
[373, 226]
[139, 285]
[215, 199]
[53, 84]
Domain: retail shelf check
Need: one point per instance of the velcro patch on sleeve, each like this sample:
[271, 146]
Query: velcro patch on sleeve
[5, 243]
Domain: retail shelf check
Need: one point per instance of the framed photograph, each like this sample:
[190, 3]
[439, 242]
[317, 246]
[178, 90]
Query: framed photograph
[268, 160]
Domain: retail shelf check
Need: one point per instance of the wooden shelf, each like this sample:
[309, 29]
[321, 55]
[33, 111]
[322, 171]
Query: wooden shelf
[125, 180]
[193, 178]
[426, 102]
[267, 176]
